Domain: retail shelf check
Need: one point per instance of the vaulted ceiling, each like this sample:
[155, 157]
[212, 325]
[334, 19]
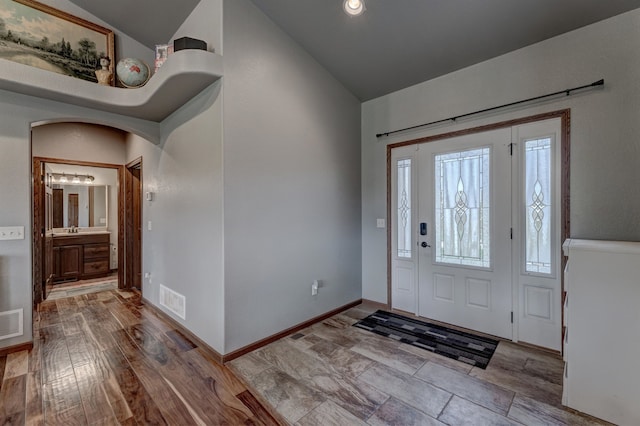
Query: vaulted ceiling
[395, 43]
[149, 22]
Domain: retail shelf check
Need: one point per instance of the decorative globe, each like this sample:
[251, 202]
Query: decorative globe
[132, 72]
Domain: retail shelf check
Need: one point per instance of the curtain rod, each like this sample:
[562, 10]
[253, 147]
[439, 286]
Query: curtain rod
[567, 91]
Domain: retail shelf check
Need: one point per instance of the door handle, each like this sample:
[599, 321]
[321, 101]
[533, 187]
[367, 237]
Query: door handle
[424, 244]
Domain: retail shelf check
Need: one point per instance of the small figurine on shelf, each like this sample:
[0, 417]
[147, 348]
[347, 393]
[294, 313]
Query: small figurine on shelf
[104, 74]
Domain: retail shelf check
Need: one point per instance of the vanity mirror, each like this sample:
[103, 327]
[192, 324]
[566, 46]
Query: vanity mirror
[79, 198]
[79, 206]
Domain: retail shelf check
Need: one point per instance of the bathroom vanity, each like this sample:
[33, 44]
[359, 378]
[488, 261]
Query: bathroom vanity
[80, 256]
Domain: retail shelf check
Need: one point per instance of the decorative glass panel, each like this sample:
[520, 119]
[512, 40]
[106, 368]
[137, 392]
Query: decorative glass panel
[538, 206]
[404, 208]
[462, 188]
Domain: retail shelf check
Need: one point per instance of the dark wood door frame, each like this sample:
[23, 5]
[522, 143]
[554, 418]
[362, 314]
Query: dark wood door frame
[38, 239]
[133, 224]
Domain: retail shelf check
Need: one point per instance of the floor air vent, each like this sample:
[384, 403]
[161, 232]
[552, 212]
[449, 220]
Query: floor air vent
[175, 302]
[11, 324]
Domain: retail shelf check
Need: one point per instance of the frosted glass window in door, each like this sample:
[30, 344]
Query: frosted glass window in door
[462, 207]
[538, 210]
[404, 208]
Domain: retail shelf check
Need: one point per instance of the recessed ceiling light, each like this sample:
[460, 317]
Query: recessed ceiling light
[353, 7]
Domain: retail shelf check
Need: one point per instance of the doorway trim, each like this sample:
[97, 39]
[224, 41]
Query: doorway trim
[38, 208]
[132, 239]
[565, 117]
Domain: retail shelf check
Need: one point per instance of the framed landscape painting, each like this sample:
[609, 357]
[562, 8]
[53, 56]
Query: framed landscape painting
[38, 35]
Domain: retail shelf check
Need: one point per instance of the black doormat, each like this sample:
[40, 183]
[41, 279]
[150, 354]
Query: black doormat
[465, 347]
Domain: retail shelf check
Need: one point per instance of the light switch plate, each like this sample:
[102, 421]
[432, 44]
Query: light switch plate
[12, 233]
[380, 223]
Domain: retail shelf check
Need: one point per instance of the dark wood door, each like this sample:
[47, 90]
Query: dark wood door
[58, 202]
[133, 228]
[72, 212]
[38, 231]
[137, 229]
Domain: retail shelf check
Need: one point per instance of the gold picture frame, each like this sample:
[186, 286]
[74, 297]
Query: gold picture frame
[38, 35]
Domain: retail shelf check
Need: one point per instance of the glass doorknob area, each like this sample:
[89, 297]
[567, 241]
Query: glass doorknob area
[424, 244]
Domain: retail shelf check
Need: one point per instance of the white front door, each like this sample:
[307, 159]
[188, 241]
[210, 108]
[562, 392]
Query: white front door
[475, 235]
[465, 203]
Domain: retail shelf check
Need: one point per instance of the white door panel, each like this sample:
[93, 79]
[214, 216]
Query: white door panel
[403, 243]
[475, 231]
[465, 276]
[537, 243]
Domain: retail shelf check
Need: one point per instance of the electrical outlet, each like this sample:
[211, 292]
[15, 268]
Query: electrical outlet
[314, 288]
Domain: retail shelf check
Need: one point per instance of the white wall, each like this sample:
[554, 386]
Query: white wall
[605, 153]
[291, 181]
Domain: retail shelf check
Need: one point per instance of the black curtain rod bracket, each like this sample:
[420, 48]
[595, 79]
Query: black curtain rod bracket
[536, 98]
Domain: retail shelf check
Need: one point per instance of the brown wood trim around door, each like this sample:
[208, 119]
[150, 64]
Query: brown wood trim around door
[39, 219]
[389, 226]
[132, 224]
[121, 236]
[565, 145]
[38, 230]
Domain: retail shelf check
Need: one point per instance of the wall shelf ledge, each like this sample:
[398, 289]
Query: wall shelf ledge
[184, 74]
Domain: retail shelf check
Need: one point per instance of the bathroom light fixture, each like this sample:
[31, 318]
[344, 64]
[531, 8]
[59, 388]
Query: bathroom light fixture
[353, 7]
[76, 180]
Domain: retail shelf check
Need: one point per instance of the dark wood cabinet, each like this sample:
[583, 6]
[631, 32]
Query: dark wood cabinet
[96, 259]
[70, 262]
[79, 256]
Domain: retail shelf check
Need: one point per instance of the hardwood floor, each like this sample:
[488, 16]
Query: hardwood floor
[105, 358]
[335, 374]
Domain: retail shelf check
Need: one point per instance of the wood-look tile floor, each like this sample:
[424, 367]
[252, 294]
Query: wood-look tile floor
[60, 291]
[334, 374]
[105, 358]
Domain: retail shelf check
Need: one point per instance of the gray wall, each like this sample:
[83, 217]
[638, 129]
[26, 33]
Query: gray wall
[291, 182]
[17, 114]
[605, 130]
[183, 250]
[84, 142]
[125, 46]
